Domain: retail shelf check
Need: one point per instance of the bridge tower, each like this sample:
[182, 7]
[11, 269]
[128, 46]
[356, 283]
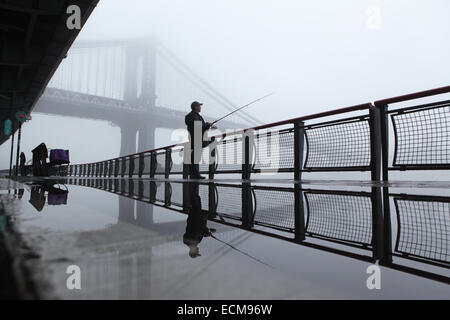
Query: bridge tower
[139, 91]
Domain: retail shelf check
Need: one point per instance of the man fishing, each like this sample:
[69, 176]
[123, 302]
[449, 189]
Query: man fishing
[196, 144]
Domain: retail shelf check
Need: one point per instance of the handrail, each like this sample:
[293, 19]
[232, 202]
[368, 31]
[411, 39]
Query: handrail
[411, 96]
[316, 115]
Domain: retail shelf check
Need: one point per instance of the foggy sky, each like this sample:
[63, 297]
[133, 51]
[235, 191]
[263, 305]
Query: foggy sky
[315, 55]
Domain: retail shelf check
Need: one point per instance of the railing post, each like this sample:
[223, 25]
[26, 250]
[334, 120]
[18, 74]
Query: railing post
[116, 167]
[105, 168]
[247, 206]
[168, 163]
[186, 172]
[299, 138]
[167, 193]
[140, 189]
[152, 165]
[123, 190]
[377, 224]
[131, 187]
[152, 191]
[131, 167]
[110, 168]
[247, 150]
[212, 201]
[212, 159]
[141, 165]
[384, 134]
[299, 213]
[124, 166]
[386, 257]
[375, 143]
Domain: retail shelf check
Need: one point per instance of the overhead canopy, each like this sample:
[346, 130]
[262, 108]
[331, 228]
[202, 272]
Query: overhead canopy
[34, 38]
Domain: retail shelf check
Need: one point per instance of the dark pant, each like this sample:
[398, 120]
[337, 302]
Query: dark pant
[195, 167]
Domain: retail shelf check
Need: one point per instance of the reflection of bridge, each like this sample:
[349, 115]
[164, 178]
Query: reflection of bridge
[354, 224]
[136, 85]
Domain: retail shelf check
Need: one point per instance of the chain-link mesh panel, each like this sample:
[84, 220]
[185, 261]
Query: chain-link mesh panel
[422, 137]
[340, 216]
[274, 150]
[424, 229]
[127, 165]
[338, 145]
[177, 156]
[160, 191]
[274, 208]
[147, 162]
[204, 196]
[229, 154]
[229, 201]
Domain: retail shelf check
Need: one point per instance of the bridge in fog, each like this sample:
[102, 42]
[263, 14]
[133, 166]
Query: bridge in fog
[137, 85]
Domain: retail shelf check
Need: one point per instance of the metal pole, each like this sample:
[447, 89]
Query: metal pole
[12, 151]
[375, 143]
[299, 137]
[18, 149]
[299, 213]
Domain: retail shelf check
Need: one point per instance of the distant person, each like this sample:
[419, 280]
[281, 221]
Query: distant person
[22, 163]
[196, 151]
[40, 155]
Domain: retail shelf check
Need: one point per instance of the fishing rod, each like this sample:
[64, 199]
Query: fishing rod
[229, 114]
[233, 247]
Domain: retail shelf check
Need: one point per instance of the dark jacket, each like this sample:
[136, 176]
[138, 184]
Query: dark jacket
[197, 220]
[189, 120]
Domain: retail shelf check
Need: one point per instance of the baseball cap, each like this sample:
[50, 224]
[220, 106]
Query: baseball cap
[196, 104]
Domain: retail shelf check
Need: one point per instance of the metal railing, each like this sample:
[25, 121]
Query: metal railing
[356, 143]
[421, 133]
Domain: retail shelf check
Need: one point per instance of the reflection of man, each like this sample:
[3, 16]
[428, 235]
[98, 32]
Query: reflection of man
[196, 227]
[196, 150]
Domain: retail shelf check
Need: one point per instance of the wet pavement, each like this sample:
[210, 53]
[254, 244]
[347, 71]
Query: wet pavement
[132, 238]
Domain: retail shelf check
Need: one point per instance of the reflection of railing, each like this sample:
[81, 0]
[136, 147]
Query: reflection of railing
[347, 223]
[340, 215]
[423, 227]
